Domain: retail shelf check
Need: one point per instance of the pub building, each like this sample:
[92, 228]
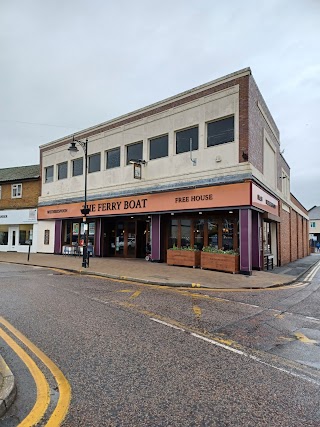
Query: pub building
[202, 168]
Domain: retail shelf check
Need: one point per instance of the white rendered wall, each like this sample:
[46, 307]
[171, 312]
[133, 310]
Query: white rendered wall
[174, 168]
[42, 226]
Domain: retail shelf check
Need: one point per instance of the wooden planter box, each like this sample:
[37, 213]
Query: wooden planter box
[220, 262]
[183, 258]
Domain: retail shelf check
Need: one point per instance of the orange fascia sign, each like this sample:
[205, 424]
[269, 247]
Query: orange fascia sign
[263, 200]
[198, 198]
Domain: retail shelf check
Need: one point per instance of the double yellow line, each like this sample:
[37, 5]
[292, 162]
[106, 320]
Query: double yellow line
[43, 393]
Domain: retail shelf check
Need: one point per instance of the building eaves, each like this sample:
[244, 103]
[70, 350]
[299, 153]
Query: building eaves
[19, 173]
[101, 126]
[314, 213]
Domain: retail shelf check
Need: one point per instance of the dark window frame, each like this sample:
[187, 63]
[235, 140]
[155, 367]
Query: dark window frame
[153, 141]
[96, 155]
[46, 169]
[129, 158]
[220, 137]
[182, 144]
[118, 149]
[59, 166]
[73, 169]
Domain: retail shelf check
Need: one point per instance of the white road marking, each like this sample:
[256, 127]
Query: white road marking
[241, 353]
[167, 324]
[234, 350]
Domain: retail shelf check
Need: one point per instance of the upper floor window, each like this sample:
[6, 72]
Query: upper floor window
[158, 147]
[16, 191]
[134, 152]
[220, 131]
[113, 158]
[187, 140]
[77, 167]
[48, 174]
[63, 170]
[312, 224]
[94, 163]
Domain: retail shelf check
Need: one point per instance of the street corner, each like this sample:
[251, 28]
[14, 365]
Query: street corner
[7, 387]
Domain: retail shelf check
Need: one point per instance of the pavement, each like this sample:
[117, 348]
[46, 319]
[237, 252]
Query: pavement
[142, 271]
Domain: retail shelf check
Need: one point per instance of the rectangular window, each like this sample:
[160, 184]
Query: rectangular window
[63, 170]
[213, 232]
[227, 235]
[312, 224]
[220, 131]
[186, 140]
[25, 234]
[173, 234]
[46, 239]
[4, 234]
[134, 152]
[158, 147]
[113, 158]
[16, 191]
[77, 167]
[48, 174]
[94, 163]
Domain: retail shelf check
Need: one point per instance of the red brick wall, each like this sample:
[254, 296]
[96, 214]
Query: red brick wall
[284, 237]
[256, 125]
[29, 199]
[294, 246]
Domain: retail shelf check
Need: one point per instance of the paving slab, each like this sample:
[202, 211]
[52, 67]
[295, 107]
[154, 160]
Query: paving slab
[142, 271]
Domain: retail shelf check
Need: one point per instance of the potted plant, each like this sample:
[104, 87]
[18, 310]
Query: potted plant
[185, 256]
[218, 259]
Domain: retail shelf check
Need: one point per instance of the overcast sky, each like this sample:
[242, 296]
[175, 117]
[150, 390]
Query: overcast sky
[67, 65]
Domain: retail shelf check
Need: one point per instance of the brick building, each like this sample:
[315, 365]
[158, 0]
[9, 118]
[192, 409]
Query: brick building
[207, 171]
[19, 193]
[314, 227]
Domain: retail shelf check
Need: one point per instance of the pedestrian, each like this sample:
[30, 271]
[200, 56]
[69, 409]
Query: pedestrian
[318, 246]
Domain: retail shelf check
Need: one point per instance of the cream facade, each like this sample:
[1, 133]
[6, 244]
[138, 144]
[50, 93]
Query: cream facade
[218, 134]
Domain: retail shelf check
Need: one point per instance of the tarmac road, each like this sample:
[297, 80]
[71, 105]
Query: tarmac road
[139, 355]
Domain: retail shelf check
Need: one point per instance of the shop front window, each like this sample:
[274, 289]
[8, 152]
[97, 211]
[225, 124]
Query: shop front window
[173, 234]
[266, 238]
[74, 233]
[198, 234]
[25, 234]
[185, 232]
[227, 235]
[3, 234]
[213, 232]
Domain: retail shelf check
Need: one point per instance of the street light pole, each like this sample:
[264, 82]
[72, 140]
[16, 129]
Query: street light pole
[85, 211]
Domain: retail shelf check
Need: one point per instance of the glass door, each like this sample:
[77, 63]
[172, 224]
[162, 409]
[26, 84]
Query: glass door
[13, 240]
[131, 239]
[120, 239]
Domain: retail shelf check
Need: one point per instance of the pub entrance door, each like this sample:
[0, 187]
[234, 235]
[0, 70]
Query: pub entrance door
[125, 238]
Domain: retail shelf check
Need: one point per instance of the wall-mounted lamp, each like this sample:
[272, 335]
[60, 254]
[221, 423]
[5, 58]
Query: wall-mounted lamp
[138, 162]
[245, 155]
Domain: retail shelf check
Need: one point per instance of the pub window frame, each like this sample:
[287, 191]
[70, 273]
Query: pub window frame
[186, 140]
[91, 167]
[77, 162]
[113, 150]
[131, 157]
[62, 170]
[48, 174]
[153, 142]
[224, 139]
